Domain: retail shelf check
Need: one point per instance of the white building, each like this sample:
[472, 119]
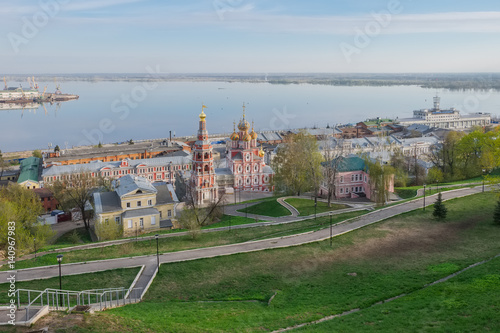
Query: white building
[450, 118]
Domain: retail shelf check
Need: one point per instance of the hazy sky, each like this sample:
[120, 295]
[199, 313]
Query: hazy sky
[241, 36]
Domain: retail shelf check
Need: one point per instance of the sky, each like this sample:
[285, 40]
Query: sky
[243, 36]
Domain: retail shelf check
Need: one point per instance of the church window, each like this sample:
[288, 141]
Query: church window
[248, 167]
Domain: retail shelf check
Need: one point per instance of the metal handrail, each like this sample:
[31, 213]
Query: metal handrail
[103, 298]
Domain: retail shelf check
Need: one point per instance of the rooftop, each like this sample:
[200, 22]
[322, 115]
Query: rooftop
[181, 158]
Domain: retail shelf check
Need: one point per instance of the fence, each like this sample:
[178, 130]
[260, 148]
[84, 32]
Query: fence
[56, 299]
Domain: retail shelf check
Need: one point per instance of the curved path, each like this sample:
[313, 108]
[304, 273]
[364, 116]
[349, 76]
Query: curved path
[299, 239]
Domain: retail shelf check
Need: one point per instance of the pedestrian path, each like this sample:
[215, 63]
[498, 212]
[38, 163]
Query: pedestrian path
[210, 252]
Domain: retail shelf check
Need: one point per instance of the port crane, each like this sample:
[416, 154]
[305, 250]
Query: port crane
[35, 85]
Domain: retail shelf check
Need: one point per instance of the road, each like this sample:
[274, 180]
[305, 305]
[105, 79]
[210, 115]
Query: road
[299, 239]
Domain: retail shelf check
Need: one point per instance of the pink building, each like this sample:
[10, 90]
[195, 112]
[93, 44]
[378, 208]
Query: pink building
[352, 180]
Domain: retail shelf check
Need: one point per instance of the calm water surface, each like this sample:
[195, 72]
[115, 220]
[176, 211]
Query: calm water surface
[119, 111]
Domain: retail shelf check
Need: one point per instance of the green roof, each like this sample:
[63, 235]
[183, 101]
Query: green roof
[352, 163]
[29, 169]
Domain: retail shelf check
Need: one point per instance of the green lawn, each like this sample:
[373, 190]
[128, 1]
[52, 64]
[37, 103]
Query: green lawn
[267, 208]
[179, 243]
[405, 192]
[400, 255]
[306, 206]
[74, 237]
[107, 279]
[469, 302]
[229, 220]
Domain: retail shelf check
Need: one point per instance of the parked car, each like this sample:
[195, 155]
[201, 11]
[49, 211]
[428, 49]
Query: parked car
[56, 212]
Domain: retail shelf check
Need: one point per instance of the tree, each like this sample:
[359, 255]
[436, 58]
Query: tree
[37, 153]
[193, 217]
[297, 165]
[446, 156]
[56, 149]
[331, 166]
[75, 190]
[401, 165]
[20, 208]
[3, 164]
[440, 210]
[130, 142]
[496, 214]
[435, 175]
[108, 231]
[381, 176]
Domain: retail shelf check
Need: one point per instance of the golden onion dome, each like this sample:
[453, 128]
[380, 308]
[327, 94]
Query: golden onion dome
[261, 152]
[202, 114]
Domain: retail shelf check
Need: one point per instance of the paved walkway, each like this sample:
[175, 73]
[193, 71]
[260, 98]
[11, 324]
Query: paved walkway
[299, 239]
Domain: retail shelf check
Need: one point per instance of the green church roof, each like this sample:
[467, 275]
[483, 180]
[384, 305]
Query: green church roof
[352, 163]
[29, 169]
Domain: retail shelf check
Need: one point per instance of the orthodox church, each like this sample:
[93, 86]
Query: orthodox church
[245, 164]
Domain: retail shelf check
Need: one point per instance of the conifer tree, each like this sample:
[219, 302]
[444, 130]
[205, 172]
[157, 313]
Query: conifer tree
[440, 210]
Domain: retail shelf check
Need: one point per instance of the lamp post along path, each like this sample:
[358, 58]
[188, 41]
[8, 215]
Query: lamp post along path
[157, 254]
[424, 197]
[59, 260]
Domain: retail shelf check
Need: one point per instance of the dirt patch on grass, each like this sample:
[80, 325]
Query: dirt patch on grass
[401, 240]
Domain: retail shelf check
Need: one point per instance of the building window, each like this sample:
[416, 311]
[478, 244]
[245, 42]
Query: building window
[169, 213]
[129, 224]
[341, 179]
[117, 220]
[141, 223]
[341, 190]
[150, 202]
[138, 204]
[128, 204]
[153, 220]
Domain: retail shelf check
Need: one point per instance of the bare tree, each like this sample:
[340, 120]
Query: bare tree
[75, 190]
[194, 215]
[333, 162]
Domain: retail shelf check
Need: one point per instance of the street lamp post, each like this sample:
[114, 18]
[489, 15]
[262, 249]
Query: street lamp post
[136, 231]
[59, 259]
[157, 253]
[315, 206]
[483, 178]
[331, 231]
[34, 243]
[246, 210]
[424, 197]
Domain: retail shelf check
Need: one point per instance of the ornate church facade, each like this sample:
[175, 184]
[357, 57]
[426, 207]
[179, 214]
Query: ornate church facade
[246, 160]
[244, 163]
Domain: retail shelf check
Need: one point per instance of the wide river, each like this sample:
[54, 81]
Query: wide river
[118, 111]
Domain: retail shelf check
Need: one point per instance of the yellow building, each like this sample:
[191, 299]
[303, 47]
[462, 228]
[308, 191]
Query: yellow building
[29, 176]
[134, 207]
